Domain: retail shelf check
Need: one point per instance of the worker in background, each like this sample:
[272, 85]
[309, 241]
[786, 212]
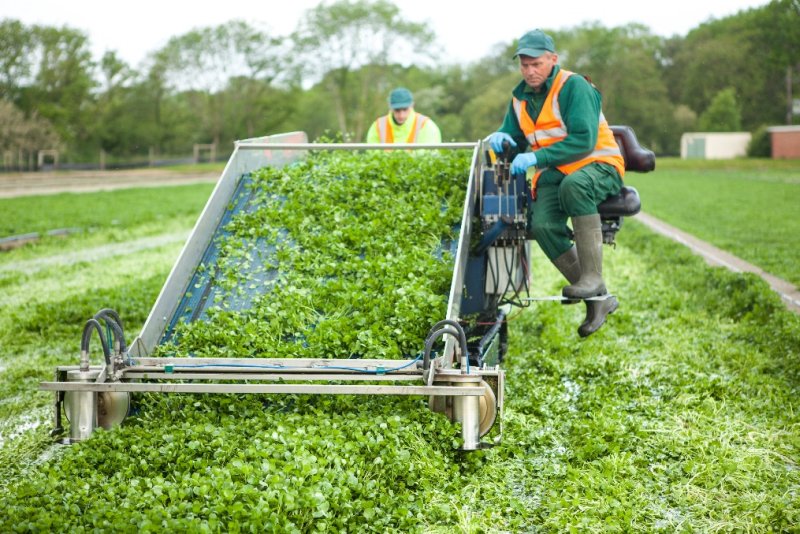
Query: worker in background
[402, 124]
[566, 147]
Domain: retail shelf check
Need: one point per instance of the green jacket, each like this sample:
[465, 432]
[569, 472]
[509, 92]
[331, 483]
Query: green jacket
[580, 104]
[429, 134]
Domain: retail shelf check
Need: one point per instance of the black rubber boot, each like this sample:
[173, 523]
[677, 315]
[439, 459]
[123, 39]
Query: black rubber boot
[589, 244]
[569, 266]
[596, 313]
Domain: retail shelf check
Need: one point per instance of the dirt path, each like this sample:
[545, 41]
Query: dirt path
[47, 183]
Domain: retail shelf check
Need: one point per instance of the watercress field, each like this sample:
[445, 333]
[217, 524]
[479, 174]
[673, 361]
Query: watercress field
[681, 414]
[747, 207]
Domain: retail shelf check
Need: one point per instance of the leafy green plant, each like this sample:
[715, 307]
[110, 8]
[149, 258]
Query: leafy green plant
[344, 253]
[679, 415]
[760, 145]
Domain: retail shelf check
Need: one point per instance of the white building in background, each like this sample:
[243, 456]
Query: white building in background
[714, 145]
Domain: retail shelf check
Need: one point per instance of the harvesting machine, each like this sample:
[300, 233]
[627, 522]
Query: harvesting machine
[464, 380]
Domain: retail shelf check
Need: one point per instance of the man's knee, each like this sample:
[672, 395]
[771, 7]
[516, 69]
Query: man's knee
[552, 237]
[575, 194]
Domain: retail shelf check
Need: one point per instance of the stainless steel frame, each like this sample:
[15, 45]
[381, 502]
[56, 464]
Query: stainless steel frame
[135, 371]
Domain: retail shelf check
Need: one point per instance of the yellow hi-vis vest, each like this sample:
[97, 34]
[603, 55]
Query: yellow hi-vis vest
[549, 128]
[386, 135]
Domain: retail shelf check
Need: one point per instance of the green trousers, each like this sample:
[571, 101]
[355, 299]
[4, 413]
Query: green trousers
[561, 196]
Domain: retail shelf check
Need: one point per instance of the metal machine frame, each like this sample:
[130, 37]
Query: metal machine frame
[465, 383]
[468, 388]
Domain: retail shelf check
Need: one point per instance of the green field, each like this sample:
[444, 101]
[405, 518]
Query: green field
[681, 414]
[746, 207]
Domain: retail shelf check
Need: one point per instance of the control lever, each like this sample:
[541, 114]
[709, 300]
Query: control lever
[502, 166]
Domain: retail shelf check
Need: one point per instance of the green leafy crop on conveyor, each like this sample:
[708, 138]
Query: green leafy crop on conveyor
[356, 245]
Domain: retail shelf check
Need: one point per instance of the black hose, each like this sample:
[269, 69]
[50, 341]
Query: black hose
[115, 324]
[426, 358]
[114, 315]
[87, 335]
[462, 336]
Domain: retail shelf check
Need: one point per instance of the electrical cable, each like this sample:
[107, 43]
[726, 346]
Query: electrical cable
[268, 366]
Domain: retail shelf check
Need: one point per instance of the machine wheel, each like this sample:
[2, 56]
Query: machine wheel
[112, 407]
[488, 410]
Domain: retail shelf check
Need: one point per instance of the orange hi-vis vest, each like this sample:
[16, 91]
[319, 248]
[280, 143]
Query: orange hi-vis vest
[549, 128]
[386, 135]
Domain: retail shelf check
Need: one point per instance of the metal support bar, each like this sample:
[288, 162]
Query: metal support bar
[353, 146]
[160, 375]
[278, 364]
[558, 298]
[334, 389]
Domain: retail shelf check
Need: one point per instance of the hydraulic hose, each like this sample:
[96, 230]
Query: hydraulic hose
[462, 336]
[94, 324]
[446, 326]
[108, 312]
[113, 321]
[429, 341]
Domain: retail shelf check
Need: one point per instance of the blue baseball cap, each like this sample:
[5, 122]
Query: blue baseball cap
[400, 98]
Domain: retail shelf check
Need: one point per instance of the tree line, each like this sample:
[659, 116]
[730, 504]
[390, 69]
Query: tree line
[332, 74]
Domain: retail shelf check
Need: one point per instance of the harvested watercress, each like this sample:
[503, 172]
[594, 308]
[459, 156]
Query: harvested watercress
[341, 255]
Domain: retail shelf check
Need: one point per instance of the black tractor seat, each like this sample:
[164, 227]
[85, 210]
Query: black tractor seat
[626, 203]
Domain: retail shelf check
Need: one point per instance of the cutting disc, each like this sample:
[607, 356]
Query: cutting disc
[112, 407]
[488, 411]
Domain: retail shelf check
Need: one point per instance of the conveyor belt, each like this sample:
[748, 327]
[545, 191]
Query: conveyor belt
[204, 290]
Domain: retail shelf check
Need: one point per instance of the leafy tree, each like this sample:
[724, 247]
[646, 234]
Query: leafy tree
[685, 118]
[779, 41]
[624, 64]
[723, 115]
[476, 95]
[61, 83]
[484, 112]
[749, 52]
[254, 108]
[203, 61]
[111, 106]
[21, 136]
[16, 41]
[348, 35]
[760, 145]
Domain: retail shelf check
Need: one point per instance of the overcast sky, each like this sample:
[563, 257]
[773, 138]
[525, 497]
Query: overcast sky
[135, 28]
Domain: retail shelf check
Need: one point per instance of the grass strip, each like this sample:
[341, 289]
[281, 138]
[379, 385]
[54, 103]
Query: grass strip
[746, 207]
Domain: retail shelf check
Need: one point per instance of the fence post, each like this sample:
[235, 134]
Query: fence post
[45, 153]
[210, 147]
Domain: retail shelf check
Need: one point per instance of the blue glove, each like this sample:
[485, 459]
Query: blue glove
[522, 162]
[496, 141]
